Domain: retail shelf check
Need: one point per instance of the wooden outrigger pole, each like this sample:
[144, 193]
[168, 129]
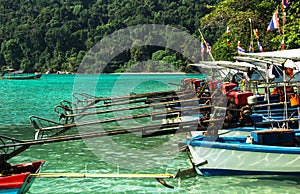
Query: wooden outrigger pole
[159, 177]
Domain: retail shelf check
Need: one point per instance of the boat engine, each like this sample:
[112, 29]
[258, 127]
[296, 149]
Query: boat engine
[245, 115]
[239, 108]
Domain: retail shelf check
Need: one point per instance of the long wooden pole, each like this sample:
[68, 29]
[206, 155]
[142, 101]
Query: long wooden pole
[90, 175]
[123, 118]
[132, 107]
[134, 96]
[127, 101]
[93, 134]
[158, 177]
[110, 104]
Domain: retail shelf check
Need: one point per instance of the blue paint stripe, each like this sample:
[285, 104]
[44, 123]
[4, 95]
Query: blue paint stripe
[236, 143]
[226, 172]
[9, 191]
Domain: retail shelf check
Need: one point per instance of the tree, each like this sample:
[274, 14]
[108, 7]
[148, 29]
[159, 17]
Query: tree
[12, 53]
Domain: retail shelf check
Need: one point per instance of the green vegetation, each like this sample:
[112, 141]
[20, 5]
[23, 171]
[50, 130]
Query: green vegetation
[38, 35]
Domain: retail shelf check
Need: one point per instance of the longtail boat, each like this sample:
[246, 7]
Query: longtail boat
[16, 178]
[12, 74]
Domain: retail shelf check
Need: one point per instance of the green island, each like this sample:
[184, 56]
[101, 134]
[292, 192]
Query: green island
[55, 35]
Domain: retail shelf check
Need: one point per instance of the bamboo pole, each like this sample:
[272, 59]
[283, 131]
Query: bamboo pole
[159, 177]
[90, 175]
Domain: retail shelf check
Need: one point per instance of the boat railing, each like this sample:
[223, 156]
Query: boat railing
[64, 109]
[83, 99]
[5, 149]
[40, 123]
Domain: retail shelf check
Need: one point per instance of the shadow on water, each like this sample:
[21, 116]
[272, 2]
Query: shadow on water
[274, 178]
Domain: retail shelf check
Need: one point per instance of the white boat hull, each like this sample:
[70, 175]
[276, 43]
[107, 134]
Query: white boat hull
[216, 161]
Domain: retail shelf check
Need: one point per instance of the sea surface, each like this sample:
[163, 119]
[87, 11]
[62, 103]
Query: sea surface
[124, 154]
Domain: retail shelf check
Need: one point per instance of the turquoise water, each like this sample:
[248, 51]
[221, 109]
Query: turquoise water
[119, 154]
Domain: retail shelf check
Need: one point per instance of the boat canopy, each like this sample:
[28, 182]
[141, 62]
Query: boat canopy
[285, 54]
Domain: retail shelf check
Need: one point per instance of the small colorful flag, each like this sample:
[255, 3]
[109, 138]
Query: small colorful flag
[274, 23]
[240, 49]
[260, 48]
[285, 4]
[256, 33]
[251, 50]
[228, 30]
[282, 45]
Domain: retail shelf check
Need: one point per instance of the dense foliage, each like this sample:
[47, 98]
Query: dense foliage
[236, 15]
[38, 35]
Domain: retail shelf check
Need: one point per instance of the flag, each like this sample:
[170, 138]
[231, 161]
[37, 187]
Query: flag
[285, 4]
[228, 30]
[260, 48]
[240, 49]
[282, 45]
[256, 33]
[251, 50]
[274, 23]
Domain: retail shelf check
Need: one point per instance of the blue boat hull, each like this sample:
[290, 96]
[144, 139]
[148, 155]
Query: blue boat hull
[10, 191]
[233, 156]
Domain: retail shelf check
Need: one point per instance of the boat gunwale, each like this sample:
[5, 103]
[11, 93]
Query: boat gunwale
[199, 141]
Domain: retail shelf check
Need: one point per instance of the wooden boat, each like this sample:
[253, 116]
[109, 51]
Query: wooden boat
[19, 75]
[270, 152]
[17, 178]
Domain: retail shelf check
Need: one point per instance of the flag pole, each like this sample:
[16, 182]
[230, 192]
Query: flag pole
[278, 21]
[251, 31]
[283, 23]
[202, 37]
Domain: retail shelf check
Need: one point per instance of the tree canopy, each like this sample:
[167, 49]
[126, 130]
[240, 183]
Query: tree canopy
[39, 35]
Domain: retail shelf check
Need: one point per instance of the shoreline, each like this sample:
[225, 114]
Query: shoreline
[125, 73]
[150, 73]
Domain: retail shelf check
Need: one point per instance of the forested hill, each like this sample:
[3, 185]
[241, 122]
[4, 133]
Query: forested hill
[38, 35]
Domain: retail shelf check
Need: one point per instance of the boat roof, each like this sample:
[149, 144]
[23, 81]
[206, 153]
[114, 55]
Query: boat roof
[207, 66]
[242, 66]
[285, 54]
[280, 58]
